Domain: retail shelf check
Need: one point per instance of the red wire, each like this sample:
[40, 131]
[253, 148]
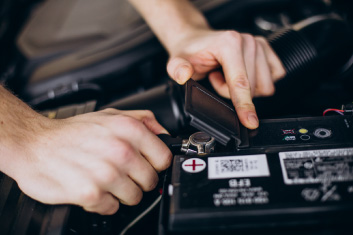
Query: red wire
[340, 111]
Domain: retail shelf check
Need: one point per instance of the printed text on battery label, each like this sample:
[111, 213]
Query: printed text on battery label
[240, 196]
[315, 166]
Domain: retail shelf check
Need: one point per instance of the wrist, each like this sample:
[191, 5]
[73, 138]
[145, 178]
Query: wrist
[181, 15]
[19, 128]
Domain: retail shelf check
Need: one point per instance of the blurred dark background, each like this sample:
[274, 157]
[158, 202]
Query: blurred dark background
[47, 63]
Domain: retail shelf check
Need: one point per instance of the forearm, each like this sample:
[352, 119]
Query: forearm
[18, 123]
[171, 20]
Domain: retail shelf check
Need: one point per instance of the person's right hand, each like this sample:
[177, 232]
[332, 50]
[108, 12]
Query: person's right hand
[95, 160]
[250, 67]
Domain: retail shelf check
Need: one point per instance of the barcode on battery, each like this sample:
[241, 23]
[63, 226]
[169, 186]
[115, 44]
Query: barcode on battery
[238, 166]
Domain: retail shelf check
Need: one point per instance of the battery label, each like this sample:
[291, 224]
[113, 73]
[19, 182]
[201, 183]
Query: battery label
[317, 166]
[238, 166]
[240, 195]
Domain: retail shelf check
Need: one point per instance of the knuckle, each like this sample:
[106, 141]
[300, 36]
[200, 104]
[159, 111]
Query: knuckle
[148, 116]
[232, 37]
[241, 81]
[90, 196]
[134, 125]
[261, 40]
[108, 175]
[124, 153]
[258, 38]
[251, 43]
[249, 38]
[149, 113]
[245, 106]
[113, 147]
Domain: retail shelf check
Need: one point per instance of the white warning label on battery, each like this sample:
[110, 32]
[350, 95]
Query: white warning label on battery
[317, 166]
[238, 166]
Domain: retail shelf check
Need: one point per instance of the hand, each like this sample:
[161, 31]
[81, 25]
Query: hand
[249, 64]
[95, 160]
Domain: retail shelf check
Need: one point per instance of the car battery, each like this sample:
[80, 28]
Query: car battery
[289, 176]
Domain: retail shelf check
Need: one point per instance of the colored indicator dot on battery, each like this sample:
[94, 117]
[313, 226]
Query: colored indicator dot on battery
[303, 131]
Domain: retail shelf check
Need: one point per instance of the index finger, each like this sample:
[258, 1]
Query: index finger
[146, 142]
[233, 64]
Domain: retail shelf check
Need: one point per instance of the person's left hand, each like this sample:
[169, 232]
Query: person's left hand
[250, 67]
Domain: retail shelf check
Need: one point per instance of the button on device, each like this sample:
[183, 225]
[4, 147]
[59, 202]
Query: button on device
[303, 131]
[322, 133]
[305, 137]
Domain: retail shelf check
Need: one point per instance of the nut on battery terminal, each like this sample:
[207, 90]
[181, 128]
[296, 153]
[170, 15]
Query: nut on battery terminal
[198, 143]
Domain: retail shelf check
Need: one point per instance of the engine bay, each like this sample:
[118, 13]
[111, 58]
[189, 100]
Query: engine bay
[294, 174]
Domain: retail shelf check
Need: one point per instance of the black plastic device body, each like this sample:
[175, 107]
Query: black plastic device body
[295, 175]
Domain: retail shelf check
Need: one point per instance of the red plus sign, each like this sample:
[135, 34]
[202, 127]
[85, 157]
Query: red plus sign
[194, 165]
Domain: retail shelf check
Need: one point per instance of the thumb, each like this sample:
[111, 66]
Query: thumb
[179, 69]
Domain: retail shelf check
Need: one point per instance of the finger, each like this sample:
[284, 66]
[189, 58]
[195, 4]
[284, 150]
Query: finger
[107, 205]
[264, 84]
[180, 69]
[203, 62]
[276, 66]
[127, 191]
[123, 160]
[139, 170]
[145, 116]
[219, 83]
[249, 52]
[147, 143]
[112, 177]
[144, 175]
[235, 74]
[148, 119]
